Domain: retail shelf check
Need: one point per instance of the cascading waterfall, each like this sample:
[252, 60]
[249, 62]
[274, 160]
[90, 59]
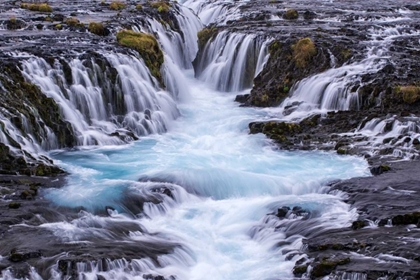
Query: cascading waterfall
[98, 109]
[180, 47]
[337, 88]
[230, 61]
[213, 11]
[200, 194]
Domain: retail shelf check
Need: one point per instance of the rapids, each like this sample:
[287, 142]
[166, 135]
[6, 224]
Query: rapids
[223, 181]
[196, 181]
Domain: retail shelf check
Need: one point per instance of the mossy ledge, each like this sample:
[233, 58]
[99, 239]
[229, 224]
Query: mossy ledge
[205, 35]
[38, 7]
[148, 48]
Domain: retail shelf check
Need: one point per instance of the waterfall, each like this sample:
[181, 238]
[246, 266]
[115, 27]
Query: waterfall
[179, 46]
[214, 11]
[102, 103]
[230, 61]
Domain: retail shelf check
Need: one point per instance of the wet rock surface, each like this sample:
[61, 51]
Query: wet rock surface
[383, 241]
[27, 241]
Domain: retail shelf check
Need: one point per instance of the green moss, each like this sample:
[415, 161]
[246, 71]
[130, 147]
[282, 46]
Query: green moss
[291, 14]
[341, 151]
[274, 47]
[72, 21]
[358, 225]
[410, 94]
[39, 7]
[162, 7]
[58, 26]
[407, 219]
[299, 270]
[280, 131]
[205, 35]
[346, 54]
[148, 48]
[325, 267]
[139, 7]
[303, 51]
[97, 28]
[116, 5]
[14, 205]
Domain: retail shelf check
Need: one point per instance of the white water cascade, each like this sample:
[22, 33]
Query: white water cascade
[205, 188]
[230, 61]
[95, 107]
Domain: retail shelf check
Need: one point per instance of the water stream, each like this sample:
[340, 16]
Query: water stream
[223, 181]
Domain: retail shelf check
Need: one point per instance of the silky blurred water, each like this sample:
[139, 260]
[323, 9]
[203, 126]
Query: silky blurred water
[225, 182]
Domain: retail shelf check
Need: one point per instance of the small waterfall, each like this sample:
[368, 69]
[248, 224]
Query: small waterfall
[231, 61]
[399, 134]
[179, 46]
[333, 89]
[104, 102]
[214, 11]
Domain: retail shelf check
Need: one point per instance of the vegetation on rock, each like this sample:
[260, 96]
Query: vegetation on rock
[148, 48]
[72, 21]
[38, 7]
[139, 7]
[410, 94]
[116, 5]
[97, 28]
[291, 14]
[161, 6]
[303, 51]
[325, 267]
[205, 35]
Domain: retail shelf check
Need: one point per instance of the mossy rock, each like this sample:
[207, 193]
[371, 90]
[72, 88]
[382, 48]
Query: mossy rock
[358, 225]
[303, 51]
[161, 6]
[98, 28]
[72, 21]
[37, 7]
[205, 35]
[116, 5]
[410, 94]
[407, 219]
[325, 267]
[291, 14]
[14, 205]
[299, 270]
[148, 48]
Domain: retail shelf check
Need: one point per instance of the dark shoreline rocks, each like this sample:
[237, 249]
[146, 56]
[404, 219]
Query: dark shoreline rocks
[383, 241]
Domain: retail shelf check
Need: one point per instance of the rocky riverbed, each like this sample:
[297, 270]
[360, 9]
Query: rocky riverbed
[378, 121]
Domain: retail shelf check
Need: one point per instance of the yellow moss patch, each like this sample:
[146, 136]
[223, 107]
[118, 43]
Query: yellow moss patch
[39, 7]
[162, 7]
[303, 51]
[148, 48]
[410, 94]
[72, 21]
[139, 7]
[291, 14]
[97, 28]
[117, 5]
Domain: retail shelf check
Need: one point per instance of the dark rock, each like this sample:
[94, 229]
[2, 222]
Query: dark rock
[282, 212]
[325, 267]
[14, 205]
[377, 170]
[359, 224]
[299, 270]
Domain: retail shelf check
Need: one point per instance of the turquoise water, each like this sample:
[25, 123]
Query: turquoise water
[224, 183]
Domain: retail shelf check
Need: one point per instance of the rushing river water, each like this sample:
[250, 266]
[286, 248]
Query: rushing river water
[223, 181]
[196, 182]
